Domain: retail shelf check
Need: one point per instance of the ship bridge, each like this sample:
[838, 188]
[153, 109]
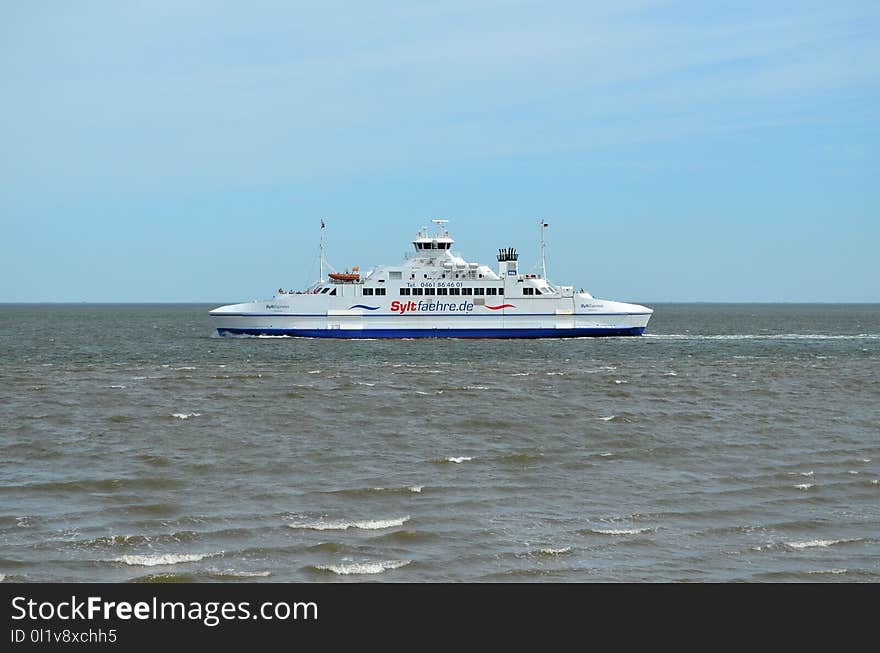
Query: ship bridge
[431, 244]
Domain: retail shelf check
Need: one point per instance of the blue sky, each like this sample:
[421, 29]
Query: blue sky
[681, 151]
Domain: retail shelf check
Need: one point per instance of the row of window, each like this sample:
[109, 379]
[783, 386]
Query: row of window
[433, 245]
[452, 291]
[463, 275]
[531, 291]
[374, 291]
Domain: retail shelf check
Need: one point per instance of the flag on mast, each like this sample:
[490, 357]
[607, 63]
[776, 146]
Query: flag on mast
[322, 223]
[546, 225]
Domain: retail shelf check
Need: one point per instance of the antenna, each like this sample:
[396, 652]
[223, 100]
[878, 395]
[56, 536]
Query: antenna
[323, 226]
[440, 224]
[544, 225]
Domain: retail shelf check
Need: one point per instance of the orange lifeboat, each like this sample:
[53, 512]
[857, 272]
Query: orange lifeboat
[354, 275]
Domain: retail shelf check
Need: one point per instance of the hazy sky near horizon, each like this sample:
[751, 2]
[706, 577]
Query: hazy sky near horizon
[681, 151]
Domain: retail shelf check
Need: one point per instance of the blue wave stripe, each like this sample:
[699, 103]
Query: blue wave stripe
[369, 308]
[437, 333]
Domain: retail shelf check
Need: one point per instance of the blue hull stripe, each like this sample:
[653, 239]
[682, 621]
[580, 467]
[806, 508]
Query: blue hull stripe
[436, 333]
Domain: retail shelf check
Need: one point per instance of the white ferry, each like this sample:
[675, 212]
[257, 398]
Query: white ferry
[435, 293]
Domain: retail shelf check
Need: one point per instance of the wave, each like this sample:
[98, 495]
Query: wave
[368, 524]
[763, 336]
[363, 567]
[358, 492]
[552, 552]
[159, 559]
[804, 486]
[811, 544]
[457, 459]
[96, 485]
[617, 531]
[405, 536]
[231, 573]
[185, 415]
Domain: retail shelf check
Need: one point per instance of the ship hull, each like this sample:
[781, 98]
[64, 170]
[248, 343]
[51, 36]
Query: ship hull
[244, 320]
[436, 333]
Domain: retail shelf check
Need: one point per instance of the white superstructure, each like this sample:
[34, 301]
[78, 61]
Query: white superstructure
[435, 293]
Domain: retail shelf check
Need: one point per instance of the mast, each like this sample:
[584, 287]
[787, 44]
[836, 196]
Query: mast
[544, 225]
[323, 226]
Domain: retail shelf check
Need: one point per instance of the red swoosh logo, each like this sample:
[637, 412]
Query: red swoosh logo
[498, 308]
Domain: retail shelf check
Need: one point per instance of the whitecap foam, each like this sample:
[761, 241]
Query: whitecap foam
[555, 373]
[475, 387]
[185, 415]
[853, 472]
[458, 459]
[314, 372]
[621, 531]
[366, 524]
[805, 486]
[811, 544]
[608, 419]
[416, 488]
[828, 571]
[187, 368]
[364, 383]
[364, 567]
[619, 381]
[160, 559]
[231, 573]
[671, 374]
[553, 552]
[116, 387]
[522, 374]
